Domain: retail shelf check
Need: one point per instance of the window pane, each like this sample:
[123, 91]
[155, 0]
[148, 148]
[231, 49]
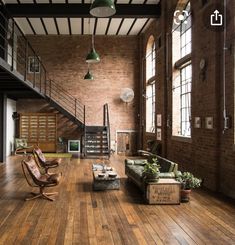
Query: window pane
[150, 108]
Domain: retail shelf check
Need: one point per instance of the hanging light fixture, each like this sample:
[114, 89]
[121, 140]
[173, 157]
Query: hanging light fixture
[102, 8]
[93, 56]
[88, 76]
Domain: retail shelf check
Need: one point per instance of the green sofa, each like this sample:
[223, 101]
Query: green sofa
[134, 170]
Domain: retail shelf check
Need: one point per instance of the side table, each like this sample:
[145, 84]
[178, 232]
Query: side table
[165, 191]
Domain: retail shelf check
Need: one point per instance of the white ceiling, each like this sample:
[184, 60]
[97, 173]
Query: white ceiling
[82, 26]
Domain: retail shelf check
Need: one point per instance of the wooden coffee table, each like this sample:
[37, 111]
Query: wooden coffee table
[106, 182]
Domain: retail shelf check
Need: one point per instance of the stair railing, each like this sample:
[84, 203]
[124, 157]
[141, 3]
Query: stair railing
[106, 123]
[64, 99]
[22, 59]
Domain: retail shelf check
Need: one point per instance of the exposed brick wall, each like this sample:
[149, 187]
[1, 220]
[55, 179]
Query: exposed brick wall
[209, 154]
[64, 59]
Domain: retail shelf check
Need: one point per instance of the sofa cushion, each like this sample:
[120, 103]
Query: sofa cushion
[140, 162]
[135, 171]
[167, 175]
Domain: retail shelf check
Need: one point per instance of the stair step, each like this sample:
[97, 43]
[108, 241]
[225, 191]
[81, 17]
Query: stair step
[95, 128]
[96, 133]
[95, 137]
[96, 142]
[96, 154]
[89, 148]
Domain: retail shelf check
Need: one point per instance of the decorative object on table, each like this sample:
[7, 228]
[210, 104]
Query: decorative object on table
[127, 95]
[101, 175]
[102, 8]
[188, 181]
[197, 122]
[151, 170]
[97, 167]
[209, 122]
[112, 174]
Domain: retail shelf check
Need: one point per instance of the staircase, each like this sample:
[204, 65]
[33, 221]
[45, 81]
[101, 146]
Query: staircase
[97, 138]
[15, 51]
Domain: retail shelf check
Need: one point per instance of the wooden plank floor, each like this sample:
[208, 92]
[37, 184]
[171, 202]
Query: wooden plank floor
[81, 216]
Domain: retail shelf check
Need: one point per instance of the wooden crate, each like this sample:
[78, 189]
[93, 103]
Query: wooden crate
[165, 191]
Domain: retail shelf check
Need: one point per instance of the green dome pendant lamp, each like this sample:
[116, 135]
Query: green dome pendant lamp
[102, 8]
[88, 76]
[93, 56]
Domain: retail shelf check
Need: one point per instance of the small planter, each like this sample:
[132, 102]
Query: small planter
[185, 195]
[151, 171]
[151, 176]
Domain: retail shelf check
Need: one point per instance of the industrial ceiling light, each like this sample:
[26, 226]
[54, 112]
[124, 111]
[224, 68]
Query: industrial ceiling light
[102, 8]
[93, 56]
[88, 76]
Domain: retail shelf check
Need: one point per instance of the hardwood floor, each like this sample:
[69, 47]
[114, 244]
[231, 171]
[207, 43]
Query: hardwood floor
[81, 216]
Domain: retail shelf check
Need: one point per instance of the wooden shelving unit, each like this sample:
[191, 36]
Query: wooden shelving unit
[39, 129]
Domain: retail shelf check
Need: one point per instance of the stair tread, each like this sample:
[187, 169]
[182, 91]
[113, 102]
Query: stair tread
[95, 128]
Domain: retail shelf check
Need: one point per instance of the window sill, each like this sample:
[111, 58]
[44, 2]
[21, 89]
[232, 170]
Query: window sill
[182, 139]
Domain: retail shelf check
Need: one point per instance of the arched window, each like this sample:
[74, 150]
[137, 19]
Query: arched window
[150, 85]
[182, 70]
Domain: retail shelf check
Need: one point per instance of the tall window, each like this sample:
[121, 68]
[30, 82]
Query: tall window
[150, 85]
[182, 73]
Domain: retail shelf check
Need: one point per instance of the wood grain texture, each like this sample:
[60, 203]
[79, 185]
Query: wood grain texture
[80, 215]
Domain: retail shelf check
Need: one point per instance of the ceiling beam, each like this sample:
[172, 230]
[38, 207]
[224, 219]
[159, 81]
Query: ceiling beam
[82, 10]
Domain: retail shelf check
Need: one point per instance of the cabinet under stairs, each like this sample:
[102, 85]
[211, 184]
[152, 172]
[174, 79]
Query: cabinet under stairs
[96, 142]
[97, 138]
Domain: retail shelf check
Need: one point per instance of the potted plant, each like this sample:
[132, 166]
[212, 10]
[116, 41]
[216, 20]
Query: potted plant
[188, 181]
[151, 170]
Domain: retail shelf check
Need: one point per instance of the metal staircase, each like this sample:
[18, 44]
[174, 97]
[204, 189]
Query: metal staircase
[18, 76]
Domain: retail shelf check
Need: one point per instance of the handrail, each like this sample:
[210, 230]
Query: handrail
[18, 52]
[107, 124]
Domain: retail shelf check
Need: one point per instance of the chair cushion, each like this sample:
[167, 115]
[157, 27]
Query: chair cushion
[40, 154]
[55, 178]
[33, 168]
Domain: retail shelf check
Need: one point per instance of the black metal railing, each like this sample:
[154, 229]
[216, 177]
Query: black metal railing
[107, 124]
[20, 57]
[64, 99]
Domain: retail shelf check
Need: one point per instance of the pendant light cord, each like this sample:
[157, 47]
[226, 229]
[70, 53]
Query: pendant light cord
[224, 67]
